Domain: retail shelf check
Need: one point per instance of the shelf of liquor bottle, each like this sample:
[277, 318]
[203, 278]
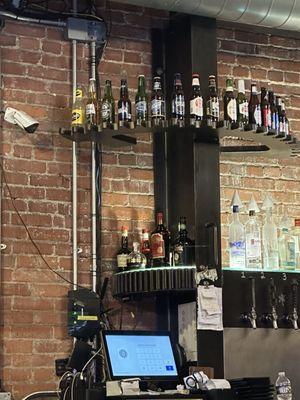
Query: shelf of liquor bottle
[153, 280]
[263, 270]
[253, 141]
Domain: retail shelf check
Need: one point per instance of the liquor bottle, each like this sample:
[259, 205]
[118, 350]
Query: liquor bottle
[281, 118]
[78, 110]
[265, 110]
[136, 259]
[124, 250]
[270, 242]
[253, 242]
[158, 112]
[141, 104]
[160, 243]
[183, 246]
[287, 250]
[212, 105]
[145, 246]
[274, 114]
[124, 104]
[254, 109]
[108, 105]
[196, 101]
[91, 107]
[178, 101]
[237, 242]
[230, 105]
[242, 105]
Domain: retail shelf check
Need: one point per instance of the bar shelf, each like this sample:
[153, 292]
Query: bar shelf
[244, 270]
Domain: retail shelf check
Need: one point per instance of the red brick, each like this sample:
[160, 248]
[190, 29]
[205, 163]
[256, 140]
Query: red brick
[51, 47]
[291, 77]
[6, 40]
[275, 76]
[29, 43]
[132, 57]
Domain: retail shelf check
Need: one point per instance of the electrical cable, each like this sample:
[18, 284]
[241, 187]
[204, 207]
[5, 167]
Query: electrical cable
[61, 379]
[29, 234]
[93, 356]
[73, 384]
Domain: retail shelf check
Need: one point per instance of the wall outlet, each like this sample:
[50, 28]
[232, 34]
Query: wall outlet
[5, 396]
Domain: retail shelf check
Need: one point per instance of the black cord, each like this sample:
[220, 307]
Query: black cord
[29, 234]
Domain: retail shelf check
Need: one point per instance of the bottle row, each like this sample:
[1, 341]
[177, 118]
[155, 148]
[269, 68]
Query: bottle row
[157, 249]
[266, 114]
[252, 246]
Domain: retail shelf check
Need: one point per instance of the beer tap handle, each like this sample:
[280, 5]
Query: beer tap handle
[294, 316]
[253, 295]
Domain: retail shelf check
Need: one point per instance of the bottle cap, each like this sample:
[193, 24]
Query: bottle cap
[253, 88]
[241, 86]
[281, 373]
[235, 209]
[236, 201]
[253, 205]
[229, 85]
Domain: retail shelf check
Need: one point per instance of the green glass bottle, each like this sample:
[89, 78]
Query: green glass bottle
[141, 110]
[108, 104]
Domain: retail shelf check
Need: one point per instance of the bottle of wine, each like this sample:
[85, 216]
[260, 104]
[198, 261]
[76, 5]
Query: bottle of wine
[91, 108]
[160, 243]
[124, 250]
[108, 105]
[158, 112]
[178, 101]
[145, 246]
[274, 114]
[230, 105]
[124, 104]
[183, 246]
[265, 110]
[254, 109]
[212, 104]
[141, 110]
[242, 105]
[196, 101]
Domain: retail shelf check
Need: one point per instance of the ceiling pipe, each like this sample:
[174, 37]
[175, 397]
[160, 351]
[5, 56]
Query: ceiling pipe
[281, 14]
[11, 15]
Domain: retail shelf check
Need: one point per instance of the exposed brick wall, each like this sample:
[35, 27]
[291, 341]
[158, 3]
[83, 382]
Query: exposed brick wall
[273, 62]
[36, 65]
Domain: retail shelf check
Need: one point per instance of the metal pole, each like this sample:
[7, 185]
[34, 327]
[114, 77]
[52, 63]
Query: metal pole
[74, 164]
[93, 177]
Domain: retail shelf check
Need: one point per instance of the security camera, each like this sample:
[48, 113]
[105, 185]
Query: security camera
[20, 118]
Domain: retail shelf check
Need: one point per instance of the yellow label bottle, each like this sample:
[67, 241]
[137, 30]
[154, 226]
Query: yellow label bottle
[78, 109]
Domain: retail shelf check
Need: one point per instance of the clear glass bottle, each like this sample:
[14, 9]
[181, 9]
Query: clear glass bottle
[108, 104]
[136, 259]
[91, 108]
[287, 254]
[237, 247]
[253, 242]
[270, 242]
[283, 387]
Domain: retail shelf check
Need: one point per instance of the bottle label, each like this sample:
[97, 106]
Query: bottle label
[213, 108]
[122, 260]
[291, 253]
[275, 121]
[90, 109]
[157, 108]
[123, 112]
[77, 116]
[78, 93]
[232, 110]
[106, 111]
[196, 107]
[243, 109]
[284, 388]
[157, 246]
[257, 115]
[141, 109]
[237, 254]
[282, 125]
[253, 248]
[178, 253]
[156, 86]
[266, 117]
[178, 106]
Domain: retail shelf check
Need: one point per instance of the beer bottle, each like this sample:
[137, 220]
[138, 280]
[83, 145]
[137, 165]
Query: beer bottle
[274, 114]
[230, 105]
[212, 105]
[265, 110]
[281, 118]
[242, 105]
[254, 109]
[124, 104]
[91, 107]
[141, 112]
[286, 127]
[78, 110]
[196, 101]
[178, 102]
[158, 112]
[108, 104]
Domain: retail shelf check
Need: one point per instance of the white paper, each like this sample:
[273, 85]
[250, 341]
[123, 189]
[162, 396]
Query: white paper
[210, 312]
[187, 330]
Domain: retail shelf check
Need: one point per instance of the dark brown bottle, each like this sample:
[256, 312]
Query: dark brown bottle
[183, 246]
[158, 112]
[196, 101]
[265, 110]
[281, 118]
[124, 251]
[230, 105]
[160, 243]
[178, 101]
[274, 113]
[124, 104]
[254, 108]
[212, 104]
